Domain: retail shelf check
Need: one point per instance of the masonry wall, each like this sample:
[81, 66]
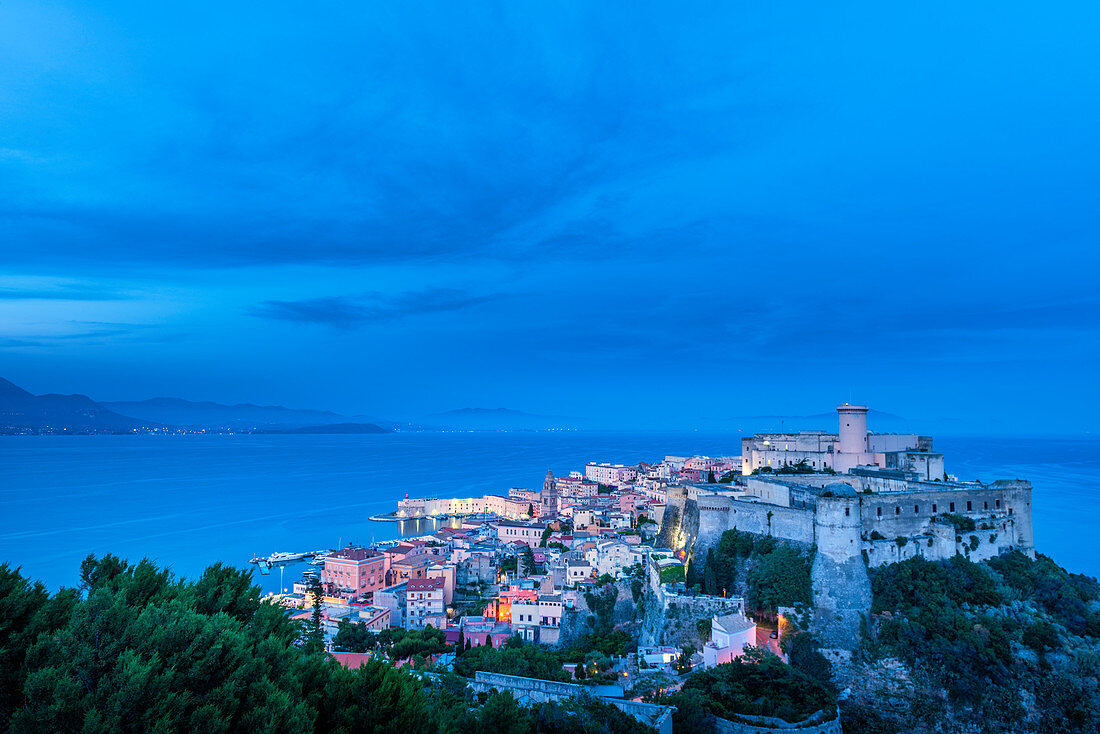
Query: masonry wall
[771, 726]
[540, 691]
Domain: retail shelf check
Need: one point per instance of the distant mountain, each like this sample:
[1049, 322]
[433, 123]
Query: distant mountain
[332, 428]
[21, 412]
[498, 419]
[245, 416]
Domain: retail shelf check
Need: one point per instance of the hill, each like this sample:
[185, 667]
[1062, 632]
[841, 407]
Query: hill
[23, 412]
[243, 416]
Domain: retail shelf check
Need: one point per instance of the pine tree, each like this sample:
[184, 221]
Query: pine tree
[315, 638]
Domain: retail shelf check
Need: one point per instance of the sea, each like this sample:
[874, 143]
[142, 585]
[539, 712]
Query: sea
[188, 501]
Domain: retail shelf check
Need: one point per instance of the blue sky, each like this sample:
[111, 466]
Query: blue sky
[656, 215]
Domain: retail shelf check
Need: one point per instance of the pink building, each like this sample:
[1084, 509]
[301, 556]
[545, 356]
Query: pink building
[354, 572]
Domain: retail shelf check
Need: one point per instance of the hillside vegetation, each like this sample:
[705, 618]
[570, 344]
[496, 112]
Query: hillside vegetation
[136, 649]
[1010, 645]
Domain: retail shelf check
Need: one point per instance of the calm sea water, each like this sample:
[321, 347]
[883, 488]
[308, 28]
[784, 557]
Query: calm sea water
[188, 501]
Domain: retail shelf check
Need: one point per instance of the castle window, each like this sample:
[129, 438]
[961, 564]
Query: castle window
[985, 505]
[952, 507]
[916, 509]
[998, 504]
[1009, 510]
[880, 512]
[933, 509]
[847, 511]
[969, 506]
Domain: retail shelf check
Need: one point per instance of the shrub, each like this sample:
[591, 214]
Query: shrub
[758, 684]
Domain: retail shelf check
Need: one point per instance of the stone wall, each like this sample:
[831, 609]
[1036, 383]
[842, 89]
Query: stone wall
[670, 618]
[533, 690]
[769, 725]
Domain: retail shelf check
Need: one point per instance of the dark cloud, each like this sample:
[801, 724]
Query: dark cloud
[370, 308]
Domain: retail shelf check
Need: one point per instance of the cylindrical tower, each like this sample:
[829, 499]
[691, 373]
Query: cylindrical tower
[853, 428]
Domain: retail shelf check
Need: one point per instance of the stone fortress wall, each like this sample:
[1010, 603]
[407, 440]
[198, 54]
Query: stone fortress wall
[866, 518]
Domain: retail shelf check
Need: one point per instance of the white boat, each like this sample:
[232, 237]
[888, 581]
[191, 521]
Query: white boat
[286, 557]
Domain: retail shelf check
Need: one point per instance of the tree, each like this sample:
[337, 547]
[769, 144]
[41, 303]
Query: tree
[710, 478]
[315, 637]
[528, 560]
[683, 663]
[710, 575]
[546, 536]
[530, 510]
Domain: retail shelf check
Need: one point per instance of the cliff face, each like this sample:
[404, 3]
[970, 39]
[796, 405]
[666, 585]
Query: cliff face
[841, 587]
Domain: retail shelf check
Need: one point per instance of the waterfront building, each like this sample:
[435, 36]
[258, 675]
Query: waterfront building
[354, 572]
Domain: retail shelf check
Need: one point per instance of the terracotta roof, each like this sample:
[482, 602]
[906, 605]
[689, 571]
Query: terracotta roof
[355, 554]
[425, 584]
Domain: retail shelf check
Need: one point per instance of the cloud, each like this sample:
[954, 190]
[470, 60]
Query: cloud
[87, 333]
[369, 308]
[62, 293]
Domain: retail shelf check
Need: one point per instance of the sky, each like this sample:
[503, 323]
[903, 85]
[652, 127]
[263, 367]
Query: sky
[658, 215]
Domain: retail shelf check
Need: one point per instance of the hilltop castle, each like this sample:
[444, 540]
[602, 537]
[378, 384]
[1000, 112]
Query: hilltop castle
[864, 500]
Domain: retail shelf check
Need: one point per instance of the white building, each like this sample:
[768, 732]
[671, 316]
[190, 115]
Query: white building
[849, 447]
[604, 473]
[577, 571]
[728, 636]
[424, 603]
[529, 534]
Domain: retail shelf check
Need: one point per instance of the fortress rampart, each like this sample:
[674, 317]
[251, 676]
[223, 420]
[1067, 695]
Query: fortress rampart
[869, 517]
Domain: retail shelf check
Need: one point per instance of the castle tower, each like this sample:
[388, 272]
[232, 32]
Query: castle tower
[549, 497]
[852, 430]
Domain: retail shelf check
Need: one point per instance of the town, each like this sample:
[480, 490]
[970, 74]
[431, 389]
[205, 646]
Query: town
[632, 569]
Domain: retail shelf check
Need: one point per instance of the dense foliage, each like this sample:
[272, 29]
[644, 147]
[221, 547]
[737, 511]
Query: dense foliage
[135, 649]
[756, 684]
[397, 643]
[775, 574]
[512, 658]
[987, 633]
[501, 714]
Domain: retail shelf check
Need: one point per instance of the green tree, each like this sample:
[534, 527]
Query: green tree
[315, 637]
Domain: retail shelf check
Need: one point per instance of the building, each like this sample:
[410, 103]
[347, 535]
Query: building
[604, 473]
[354, 572]
[395, 599]
[729, 634]
[424, 604]
[549, 497]
[576, 486]
[882, 515]
[449, 573]
[576, 571]
[851, 446]
[409, 568]
[529, 534]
